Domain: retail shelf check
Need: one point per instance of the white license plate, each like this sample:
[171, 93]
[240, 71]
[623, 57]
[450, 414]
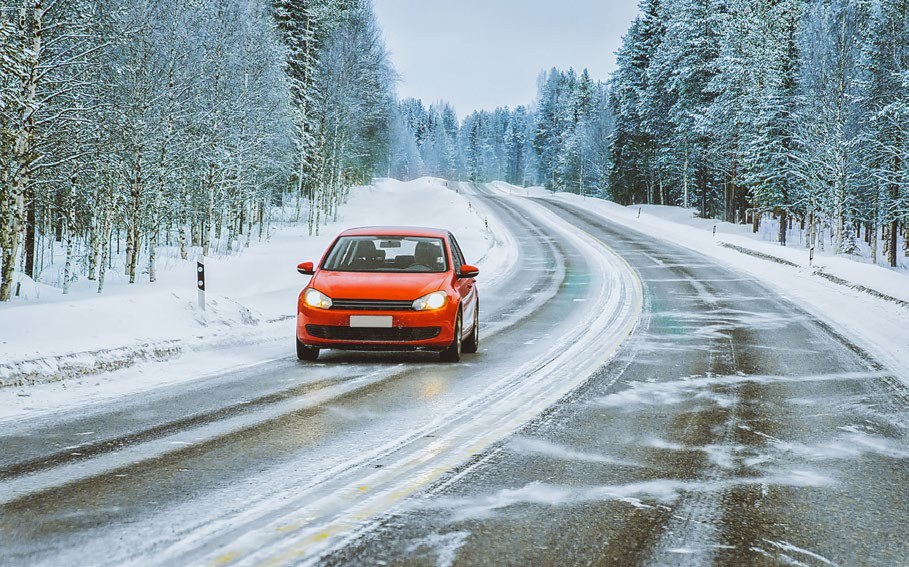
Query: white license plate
[375, 321]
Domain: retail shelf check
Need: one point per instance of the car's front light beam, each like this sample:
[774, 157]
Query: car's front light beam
[317, 299]
[431, 301]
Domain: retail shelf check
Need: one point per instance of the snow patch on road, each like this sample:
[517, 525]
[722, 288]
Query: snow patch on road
[786, 546]
[540, 447]
[847, 446]
[658, 491]
[697, 388]
[443, 546]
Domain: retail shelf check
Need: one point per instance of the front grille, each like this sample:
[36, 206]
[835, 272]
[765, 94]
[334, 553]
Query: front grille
[393, 334]
[371, 305]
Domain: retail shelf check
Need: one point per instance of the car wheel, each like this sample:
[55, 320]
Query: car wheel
[472, 344]
[453, 353]
[306, 352]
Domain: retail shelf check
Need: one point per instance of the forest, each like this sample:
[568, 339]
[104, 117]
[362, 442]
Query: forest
[746, 108]
[791, 110]
[561, 140]
[128, 127]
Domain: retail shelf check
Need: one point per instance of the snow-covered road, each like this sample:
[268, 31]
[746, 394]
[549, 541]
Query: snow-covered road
[281, 459]
[734, 428]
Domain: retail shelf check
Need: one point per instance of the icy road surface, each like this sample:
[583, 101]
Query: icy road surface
[282, 459]
[730, 428]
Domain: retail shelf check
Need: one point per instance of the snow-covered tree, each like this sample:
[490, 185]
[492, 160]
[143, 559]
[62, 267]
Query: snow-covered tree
[827, 116]
[125, 127]
[885, 102]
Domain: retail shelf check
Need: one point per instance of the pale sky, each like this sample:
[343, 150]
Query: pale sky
[479, 54]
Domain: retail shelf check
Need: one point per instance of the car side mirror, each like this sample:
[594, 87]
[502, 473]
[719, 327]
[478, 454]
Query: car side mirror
[468, 271]
[306, 268]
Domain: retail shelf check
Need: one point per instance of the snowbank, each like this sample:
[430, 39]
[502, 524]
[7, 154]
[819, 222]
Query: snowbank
[251, 296]
[855, 269]
[876, 325]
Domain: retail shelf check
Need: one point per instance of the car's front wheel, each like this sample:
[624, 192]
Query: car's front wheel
[453, 352]
[306, 352]
[472, 343]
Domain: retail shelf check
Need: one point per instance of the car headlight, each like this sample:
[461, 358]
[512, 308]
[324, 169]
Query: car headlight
[434, 300]
[315, 298]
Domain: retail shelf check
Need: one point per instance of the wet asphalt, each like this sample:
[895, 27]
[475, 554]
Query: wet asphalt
[733, 428]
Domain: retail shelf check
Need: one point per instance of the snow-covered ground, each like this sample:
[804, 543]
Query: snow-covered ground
[876, 324]
[856, 269]
[251, 300]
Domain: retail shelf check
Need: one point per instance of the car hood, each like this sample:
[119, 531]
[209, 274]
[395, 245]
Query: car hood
[394, 286]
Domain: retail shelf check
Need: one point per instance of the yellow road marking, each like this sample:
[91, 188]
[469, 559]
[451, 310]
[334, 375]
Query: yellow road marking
[287, 528]
[225, 559]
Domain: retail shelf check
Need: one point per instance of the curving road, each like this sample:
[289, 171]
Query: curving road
[733, 428]
[279, 460]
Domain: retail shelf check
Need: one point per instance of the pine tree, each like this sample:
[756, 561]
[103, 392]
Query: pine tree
[767, 161]
[683, 66]
[728, 115]
[550, 124]
[827, 124]
[885, 99]
[629, 147]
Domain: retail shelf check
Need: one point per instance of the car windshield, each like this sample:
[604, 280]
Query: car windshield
[387, 254]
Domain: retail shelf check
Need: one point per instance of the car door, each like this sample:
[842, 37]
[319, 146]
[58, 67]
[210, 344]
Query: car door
[466, 286]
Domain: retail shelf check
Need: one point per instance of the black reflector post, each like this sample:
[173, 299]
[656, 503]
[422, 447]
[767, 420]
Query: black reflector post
[200, 281]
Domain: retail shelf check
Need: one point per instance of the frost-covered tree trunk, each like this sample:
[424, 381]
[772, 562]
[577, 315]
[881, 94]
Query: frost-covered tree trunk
[105, 253]
[154, 230]
[182, 223]
[135, 217]
[163, 162]
[784, 223]
[685, 202]
[93, 239]
[23, 138]
[69, 233]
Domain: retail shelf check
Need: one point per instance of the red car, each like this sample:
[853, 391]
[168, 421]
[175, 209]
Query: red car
[390, 288]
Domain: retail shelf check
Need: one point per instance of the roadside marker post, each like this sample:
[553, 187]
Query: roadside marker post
[200, 281]
[812, 240]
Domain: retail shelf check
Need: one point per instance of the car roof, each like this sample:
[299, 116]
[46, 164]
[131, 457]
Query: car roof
[395, 231]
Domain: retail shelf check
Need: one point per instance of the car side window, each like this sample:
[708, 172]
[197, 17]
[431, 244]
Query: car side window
[456, 253]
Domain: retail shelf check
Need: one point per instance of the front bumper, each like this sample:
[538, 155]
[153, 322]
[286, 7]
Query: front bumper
[410, 330]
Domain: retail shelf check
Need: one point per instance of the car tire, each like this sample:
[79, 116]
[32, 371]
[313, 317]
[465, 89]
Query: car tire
[306, 352]
[453, 352]
[472, 343]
